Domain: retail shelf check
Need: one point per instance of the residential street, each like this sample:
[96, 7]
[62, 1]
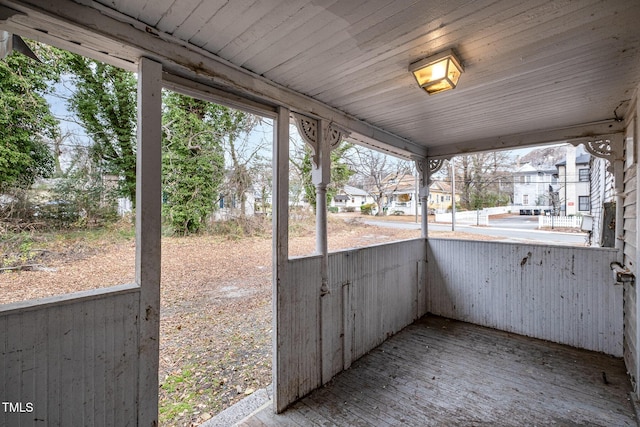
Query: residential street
[514, 229]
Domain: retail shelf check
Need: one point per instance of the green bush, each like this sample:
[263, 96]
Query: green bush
[367, 209]
[333, 209]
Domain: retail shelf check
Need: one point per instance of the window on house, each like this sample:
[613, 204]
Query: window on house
[583, 175]
[528, 178]
[522, 179]
[525, 199]
[583, 203]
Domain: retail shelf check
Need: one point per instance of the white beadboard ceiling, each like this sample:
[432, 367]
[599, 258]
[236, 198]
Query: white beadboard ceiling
[531, 67]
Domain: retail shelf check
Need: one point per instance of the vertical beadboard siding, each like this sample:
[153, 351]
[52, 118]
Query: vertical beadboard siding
[630, 194]
[560, 294]
[630, 298]
[374, 293]
[630, 332]
[75, 359]
[298, 339]
[384, 287]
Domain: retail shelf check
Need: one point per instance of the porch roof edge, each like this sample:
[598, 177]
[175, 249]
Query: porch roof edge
[574, 134]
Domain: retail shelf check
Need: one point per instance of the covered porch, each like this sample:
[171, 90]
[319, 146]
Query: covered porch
[339, 70]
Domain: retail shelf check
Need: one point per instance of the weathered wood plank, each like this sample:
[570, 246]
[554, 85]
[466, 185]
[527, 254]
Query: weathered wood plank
[565, 295]
[77, 359]
[373, 294]
[72, 361]
[281, 31]
[148, 235]
[197, 18]
[88, 351]
[439, 372]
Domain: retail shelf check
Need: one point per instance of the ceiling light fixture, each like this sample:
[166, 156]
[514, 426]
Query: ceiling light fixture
[437, 73]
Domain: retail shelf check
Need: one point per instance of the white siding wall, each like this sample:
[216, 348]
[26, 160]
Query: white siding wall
[602, 191]
[74, 358]
[631, 341]
[561, 294]
[374, 293]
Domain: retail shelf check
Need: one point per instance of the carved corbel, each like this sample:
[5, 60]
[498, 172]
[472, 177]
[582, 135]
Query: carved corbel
[432, 166]
[611, 148]
[608, 147]
[308, 130]
[332, 134]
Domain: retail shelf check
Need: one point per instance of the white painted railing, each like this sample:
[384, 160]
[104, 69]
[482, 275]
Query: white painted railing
[465, 217]
[562, 294]
[71, 360]
[559, 221]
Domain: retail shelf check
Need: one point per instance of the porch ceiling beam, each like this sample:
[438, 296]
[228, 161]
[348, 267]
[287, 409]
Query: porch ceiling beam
[573, 134]
[129, 38]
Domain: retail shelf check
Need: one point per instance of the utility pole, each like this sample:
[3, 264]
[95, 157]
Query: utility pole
[453, 196]
[416, 192]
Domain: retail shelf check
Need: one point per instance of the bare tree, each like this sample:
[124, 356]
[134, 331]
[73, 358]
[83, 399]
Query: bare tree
[480, 176]
[380, 173]
[243, 151]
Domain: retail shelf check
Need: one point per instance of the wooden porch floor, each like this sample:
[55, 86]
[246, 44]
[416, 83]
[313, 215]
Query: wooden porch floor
[439, 372]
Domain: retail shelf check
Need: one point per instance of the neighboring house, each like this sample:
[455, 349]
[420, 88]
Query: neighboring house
[440, 197]
[404, 197]
[573, 186]
[351, 198]
[532, 187]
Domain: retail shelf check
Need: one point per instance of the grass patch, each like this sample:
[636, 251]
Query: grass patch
[186, 393]
[183, 401]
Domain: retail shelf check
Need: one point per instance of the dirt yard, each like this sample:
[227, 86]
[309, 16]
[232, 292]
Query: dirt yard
[216, 305]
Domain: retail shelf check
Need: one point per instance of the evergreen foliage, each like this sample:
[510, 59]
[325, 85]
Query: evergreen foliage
[105, 102]
[25, 119]
[192, 160]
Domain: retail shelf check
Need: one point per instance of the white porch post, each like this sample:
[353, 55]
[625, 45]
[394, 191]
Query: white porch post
[148, 227]
[427, 167]
[321, 176]
[280, 206]
[423, 167]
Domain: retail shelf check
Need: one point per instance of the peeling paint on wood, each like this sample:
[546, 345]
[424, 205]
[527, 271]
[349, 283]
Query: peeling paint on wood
[562, 294]
[75, 360]
[373, 293]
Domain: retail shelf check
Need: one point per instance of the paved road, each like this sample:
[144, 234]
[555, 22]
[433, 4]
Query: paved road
[524, 222]
[513, 229]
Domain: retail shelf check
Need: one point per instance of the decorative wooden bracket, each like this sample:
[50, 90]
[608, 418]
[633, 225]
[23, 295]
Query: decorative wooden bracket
[611, 148]
[605, 146]
[308, 129]
[434, 165]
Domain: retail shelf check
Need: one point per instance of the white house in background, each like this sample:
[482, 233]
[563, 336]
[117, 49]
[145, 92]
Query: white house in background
[531, 187]
[573, 186]
[351, 197]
